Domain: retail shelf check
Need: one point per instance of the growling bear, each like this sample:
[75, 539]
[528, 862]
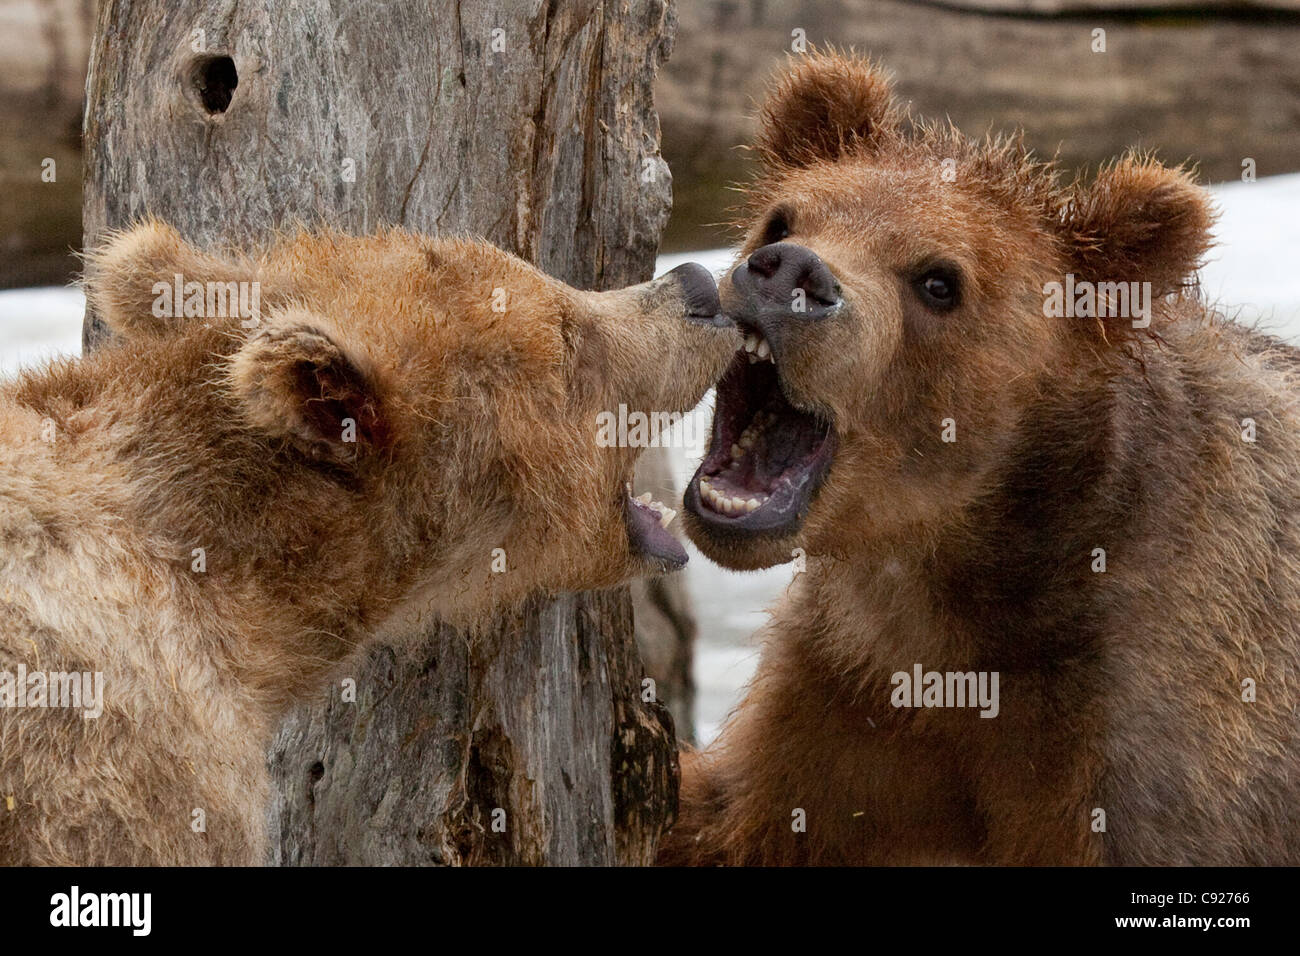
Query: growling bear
[1013, 450]
[205, 517]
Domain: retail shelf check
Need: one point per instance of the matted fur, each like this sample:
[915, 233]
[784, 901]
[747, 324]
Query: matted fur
[1120, 691]
[475, 429]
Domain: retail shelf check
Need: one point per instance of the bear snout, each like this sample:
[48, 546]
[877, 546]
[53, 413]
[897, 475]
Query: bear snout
[785, 280]
[699, 293]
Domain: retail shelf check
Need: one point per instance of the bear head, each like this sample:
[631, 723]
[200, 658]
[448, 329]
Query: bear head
[410, 422]
[905, 292]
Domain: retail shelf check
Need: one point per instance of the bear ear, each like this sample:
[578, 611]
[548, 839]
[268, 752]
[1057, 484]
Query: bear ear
[141, 280]
[294, 381]
[827, 105]
[1138, 221]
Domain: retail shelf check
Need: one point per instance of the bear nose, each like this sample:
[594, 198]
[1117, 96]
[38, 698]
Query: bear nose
[699, 291]
[780, 270]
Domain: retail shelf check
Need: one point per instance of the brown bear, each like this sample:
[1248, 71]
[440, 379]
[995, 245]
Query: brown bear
[1045, 502]
[202, 519]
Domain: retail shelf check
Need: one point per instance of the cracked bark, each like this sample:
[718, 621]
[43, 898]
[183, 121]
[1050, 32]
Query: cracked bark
[542, 729]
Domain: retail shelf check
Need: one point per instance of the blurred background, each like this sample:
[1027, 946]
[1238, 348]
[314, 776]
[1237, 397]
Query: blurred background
[1215, 83]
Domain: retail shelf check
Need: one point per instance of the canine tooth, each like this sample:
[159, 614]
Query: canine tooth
[751, 505]
[644, 497]
[666, 517]
[764, 351]
[751, 341]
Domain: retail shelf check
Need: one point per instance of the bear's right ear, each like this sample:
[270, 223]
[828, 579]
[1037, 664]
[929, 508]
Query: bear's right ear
[136, 281]
[825, 106]
[293, 381]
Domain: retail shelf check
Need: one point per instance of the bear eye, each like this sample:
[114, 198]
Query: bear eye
[938, 287]
[777, 227]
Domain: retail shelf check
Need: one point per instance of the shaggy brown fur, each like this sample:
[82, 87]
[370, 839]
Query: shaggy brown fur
[475, 429]
[1120, 691]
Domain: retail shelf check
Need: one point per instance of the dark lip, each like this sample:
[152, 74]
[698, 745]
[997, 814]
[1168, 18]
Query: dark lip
[651, 540]
[787, 507]
[703, 307]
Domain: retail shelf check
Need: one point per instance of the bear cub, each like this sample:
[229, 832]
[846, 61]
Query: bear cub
[1045, 501]
[207, 515]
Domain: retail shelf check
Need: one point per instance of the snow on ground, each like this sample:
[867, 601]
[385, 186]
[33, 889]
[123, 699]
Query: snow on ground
[1253, 268]
[1252, 273]
[37, 324]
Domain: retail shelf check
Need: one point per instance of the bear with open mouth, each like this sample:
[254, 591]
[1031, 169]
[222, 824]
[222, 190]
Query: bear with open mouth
[282, 456]
[1015, 454]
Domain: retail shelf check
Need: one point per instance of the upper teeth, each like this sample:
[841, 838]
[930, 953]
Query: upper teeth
[757, 347]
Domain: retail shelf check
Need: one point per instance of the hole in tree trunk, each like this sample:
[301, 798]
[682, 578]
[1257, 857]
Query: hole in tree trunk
[314, 774]
[214, 79]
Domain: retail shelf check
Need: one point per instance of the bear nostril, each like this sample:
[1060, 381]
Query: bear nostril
[816, 280]
[784, 267]
[766, 260]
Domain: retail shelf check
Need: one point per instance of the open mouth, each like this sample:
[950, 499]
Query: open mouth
[647, 527]
[767, 458]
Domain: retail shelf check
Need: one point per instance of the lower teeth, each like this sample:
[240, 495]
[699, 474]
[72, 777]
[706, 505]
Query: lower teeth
[726, 504]
[646, 500]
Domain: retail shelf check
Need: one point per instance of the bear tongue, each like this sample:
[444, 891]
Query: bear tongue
[774, 443]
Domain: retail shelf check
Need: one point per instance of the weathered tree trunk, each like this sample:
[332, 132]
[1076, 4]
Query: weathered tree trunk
[530, 125]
